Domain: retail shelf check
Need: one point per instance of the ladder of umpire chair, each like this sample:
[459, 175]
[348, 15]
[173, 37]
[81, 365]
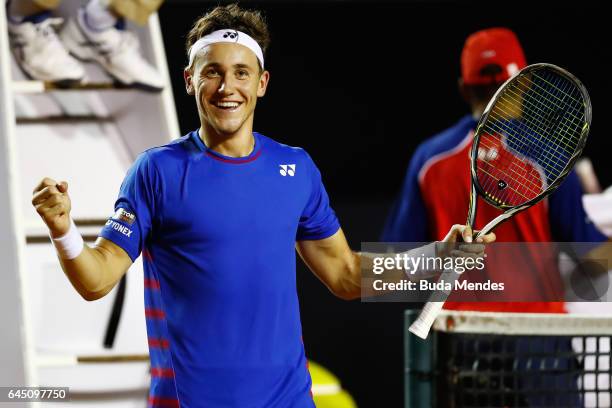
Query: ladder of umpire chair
[88, 135]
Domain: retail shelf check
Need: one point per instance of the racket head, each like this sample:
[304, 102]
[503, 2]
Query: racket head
[529, 137]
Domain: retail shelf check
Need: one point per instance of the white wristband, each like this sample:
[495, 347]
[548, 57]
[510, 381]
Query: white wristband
[69, 245]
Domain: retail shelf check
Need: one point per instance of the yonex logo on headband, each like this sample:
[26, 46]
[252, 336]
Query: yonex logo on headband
[226, 35]
[231, 34]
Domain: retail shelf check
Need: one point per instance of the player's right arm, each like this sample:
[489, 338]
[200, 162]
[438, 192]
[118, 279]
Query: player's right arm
[96, 270]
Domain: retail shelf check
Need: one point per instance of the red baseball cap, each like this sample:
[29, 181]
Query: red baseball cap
[491, 56]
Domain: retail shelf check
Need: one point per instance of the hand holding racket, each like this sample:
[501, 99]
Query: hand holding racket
[527, 141]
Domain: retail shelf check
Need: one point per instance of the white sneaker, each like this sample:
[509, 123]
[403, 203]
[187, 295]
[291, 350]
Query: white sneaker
[117, 51]
[40, 53]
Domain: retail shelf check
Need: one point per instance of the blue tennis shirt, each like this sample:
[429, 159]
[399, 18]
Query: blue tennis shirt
[218, 237]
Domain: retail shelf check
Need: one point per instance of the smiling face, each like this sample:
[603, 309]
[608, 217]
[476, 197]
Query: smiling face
[226, 82]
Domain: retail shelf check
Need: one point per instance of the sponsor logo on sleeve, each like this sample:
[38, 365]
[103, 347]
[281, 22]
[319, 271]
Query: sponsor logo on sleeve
[124, 216]
[119, 228]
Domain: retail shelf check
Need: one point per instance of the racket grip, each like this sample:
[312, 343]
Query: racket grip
[423, 323]
[421, 326]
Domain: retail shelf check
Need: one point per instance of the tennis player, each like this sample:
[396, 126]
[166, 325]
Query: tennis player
[216, 215]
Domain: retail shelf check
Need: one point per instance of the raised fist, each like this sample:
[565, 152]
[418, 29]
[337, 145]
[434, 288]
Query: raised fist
[52, 203]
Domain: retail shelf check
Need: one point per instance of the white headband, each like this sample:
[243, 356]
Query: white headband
[228, 36]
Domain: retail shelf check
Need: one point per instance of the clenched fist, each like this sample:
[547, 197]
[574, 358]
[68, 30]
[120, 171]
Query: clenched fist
[52, 203]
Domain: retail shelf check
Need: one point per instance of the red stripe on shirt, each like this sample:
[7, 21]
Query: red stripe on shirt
[155, 313]
[159, 343]
[147, 255]
[162, 372]
[236, 160]
[163, 402]
[151, 283]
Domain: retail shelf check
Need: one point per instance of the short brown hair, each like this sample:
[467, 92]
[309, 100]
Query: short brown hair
[231, 16]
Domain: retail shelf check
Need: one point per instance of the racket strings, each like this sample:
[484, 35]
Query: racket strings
[526, 198]
[578, 100]
[519, 163]
[530, 149]
[529, 188]
[535, 109]
[555, 138]
[574, 110]
[489, 141]
[531, 134]
[536, 118]
[525, 172]
[507, 128]
[525, 175]
[552, 153]
[520, 170]
[562, 102]
[537, 114]
[531, 177]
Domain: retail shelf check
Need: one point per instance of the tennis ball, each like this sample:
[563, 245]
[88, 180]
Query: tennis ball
[327, 390]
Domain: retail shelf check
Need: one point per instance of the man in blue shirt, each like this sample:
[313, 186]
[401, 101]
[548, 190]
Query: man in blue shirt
[217, 214]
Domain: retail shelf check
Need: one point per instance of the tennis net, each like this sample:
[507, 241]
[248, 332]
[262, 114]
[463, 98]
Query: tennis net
[477, 359]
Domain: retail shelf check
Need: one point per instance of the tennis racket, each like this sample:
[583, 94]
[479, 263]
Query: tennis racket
[526, 142]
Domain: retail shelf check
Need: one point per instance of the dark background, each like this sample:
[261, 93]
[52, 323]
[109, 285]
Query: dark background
[359, 85]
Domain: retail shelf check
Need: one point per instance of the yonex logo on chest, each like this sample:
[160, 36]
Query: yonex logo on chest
[287, 170]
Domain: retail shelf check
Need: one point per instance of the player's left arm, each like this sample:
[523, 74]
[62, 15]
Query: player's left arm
[340, 268]
[334, 263]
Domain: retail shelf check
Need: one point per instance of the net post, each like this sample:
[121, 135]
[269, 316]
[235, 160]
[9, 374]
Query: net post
[418, 366]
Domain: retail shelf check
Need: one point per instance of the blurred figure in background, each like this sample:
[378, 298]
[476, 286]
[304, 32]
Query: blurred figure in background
[96, 32]
[436, 190]
[586, 175]
[436, 193]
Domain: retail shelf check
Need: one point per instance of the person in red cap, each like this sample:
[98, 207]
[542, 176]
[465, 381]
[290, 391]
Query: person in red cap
[436, 192]
[491, 56]
[488, 59]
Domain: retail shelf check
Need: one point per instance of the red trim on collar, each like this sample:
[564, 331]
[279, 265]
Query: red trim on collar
[237, 160]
